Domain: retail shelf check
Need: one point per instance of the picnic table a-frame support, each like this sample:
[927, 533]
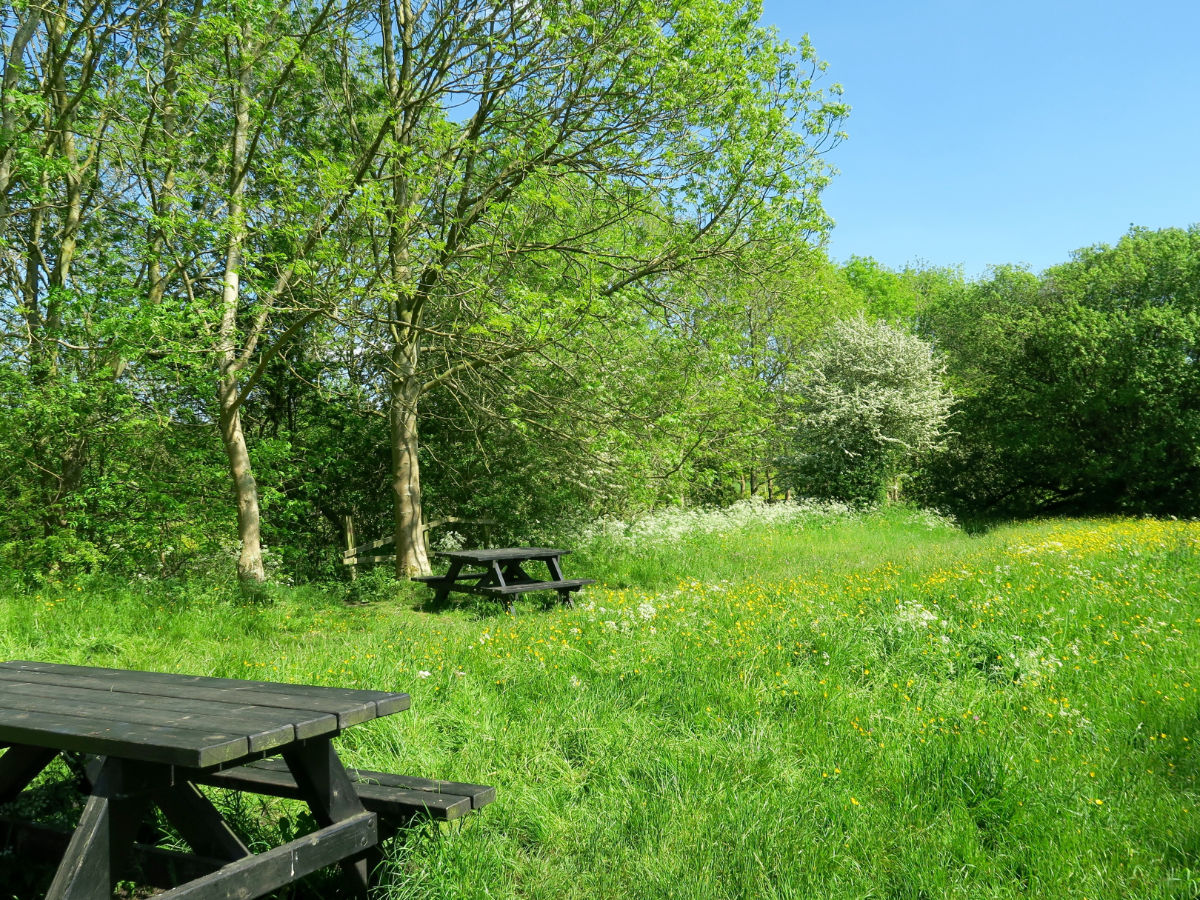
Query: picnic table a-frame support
[123, 791]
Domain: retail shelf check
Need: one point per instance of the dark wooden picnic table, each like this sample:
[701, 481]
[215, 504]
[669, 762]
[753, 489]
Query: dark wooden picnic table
[502, 574]
[150, 737]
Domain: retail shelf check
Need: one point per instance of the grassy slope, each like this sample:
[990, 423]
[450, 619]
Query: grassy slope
[860, 708]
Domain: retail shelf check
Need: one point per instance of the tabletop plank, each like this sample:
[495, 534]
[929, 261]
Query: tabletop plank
[96, 734]
[499, 555]
[349, 706]
[260, 733]
[306, 723]
[386, 702]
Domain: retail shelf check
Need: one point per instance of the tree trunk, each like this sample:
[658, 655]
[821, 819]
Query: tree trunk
[411, 558]
[245, 490]
[405, 388]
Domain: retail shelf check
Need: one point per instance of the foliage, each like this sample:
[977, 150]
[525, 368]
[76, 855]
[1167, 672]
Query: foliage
[897, 297]
[237, 217]
[1080, 389]
[871, 404]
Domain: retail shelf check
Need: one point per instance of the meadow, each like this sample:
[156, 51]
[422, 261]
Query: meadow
[774, 702]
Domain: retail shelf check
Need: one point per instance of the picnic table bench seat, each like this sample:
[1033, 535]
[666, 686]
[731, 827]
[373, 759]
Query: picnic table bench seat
[396, 799]
[572, 584]
[568, 584]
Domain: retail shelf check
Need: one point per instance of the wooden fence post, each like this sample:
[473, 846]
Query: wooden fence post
[348, 522]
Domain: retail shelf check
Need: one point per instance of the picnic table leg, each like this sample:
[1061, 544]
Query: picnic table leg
[442, 594]
[498, 579]
[198, 821]
[103, 839]
[325, 786]
[556, 574]
[20, 765]
[514, 573]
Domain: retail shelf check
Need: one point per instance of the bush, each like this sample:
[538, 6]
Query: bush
[870, 404]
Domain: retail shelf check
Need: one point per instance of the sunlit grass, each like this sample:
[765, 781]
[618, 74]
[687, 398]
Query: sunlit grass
[847, 706]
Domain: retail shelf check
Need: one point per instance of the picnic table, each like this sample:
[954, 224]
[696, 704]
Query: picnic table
[150, 738]
[501, 574]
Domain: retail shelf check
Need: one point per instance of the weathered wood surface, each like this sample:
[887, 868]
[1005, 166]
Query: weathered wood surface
[264, 872]
[396, 798]
[572, 584]
[503, 575]
[502, 554]
[153, 735]
[190, 721]
[386, 702]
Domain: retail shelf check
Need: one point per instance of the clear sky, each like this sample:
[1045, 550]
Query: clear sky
[1006, 132]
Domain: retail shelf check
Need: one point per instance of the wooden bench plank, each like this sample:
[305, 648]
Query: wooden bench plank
[262, 873]
[393, 797]
[572, 584]
[480, 795]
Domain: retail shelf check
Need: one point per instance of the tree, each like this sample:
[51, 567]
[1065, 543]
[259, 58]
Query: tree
[242, 206]
[605, 145]
[61, 95]
[1080, 390]
[871, 403]
[462, 204]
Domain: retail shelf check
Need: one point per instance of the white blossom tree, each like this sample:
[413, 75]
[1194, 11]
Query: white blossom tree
[870, 403]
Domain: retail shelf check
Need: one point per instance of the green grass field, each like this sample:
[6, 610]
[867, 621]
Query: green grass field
[822, 706]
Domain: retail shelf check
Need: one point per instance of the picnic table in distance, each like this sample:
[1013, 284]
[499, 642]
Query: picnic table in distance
[502, 574]
[151, 737]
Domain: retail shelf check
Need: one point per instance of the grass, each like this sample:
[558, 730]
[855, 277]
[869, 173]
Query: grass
[825, 706]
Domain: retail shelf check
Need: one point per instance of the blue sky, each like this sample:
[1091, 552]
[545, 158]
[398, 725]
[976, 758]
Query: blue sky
[1010, 132]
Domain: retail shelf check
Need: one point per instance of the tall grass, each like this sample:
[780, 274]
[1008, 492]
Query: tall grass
[836, 705]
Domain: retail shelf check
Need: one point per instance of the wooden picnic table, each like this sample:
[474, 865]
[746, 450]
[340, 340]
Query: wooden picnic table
[152, 736]
[501, 573]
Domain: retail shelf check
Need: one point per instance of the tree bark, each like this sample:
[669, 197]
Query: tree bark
[411, 558]
[404, 383]
[245, 489]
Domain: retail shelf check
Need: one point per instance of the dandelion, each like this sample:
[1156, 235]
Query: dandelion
[424, 673]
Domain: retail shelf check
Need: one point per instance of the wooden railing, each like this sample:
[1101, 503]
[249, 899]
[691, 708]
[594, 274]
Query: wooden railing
[359, 554]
